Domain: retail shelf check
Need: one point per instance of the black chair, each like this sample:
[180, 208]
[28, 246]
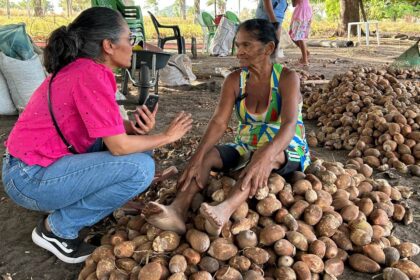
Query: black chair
[162, 40]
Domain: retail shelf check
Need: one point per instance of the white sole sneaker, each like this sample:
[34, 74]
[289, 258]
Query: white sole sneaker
[41, 242]
[67, 250]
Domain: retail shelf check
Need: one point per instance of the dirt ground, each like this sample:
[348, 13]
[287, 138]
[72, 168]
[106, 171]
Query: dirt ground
[21, 259]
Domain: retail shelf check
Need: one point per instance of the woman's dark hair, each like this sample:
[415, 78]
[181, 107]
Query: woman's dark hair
[82, 38]
[262, 30]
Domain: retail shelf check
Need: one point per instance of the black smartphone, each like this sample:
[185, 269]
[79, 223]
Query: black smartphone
[150, 103]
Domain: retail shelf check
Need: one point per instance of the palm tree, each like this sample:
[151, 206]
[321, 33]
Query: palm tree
[38, 8]
[8, 8]
[196, 9]
[181, 5]
[183, 9]
[217, 3]
[69, 8]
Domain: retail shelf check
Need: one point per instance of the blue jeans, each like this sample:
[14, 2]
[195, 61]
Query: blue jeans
[78, 190]
[279, 8]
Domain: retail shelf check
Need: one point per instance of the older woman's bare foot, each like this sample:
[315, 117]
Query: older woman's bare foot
[215, 217]
[164, 217]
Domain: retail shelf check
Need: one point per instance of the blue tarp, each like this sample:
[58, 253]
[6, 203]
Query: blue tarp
[15, 43]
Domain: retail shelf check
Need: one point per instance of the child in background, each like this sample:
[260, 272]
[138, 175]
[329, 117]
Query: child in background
[300, 26]
[273, 11]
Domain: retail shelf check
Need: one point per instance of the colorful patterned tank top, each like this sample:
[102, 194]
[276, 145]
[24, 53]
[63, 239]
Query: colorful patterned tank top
[255, 130]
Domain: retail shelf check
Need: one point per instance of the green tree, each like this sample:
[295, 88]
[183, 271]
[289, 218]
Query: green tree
[39, 12]
[379, 9]
[48, 7]
[153, 5]
[181, 8]
[376, 9]
[332, 8]
[70, 6]
[196, 9]
[220, 4]
[24, 5]
[80, 5]
[7, 7]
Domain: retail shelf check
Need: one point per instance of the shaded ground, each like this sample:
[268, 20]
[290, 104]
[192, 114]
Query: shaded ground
[23, 260]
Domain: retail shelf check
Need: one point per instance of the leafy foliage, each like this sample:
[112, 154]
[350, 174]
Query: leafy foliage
[152, 5]
[77, 5]
[40, 27]
[221, 4]
[390, 9]
[332, 9]
[377, 9]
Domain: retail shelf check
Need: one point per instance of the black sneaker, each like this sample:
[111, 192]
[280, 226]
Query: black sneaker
[67, 250]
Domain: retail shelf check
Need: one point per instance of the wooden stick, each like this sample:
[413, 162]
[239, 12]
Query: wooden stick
[317, 82]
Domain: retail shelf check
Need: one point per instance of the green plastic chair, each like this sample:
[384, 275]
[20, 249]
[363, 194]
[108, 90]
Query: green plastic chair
[134, 18]
[132, 15]
[205, 32]
[211, 27]
[232, 17]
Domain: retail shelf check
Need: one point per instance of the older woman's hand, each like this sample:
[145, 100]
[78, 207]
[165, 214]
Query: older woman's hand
[255, 175]
[191, 173]
[145, 119]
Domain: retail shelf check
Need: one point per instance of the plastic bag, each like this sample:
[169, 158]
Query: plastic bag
[177, 72]
[15, 43]
[221, 45]
[6, 105]
[285, 40]
[23, 77]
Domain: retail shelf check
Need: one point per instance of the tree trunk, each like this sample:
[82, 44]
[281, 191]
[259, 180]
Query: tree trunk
[362, 8]
[38, 8]
[222, 6]
[196, 10]
[8, 8]
[183, 9]
[28, 7]
[69, 8]
[349, 12]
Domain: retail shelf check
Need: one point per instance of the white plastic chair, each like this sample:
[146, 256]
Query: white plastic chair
[367, 30]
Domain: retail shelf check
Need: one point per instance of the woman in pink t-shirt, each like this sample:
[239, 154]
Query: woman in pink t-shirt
[61, 168]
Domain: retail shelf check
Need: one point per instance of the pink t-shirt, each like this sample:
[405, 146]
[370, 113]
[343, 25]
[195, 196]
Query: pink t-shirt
[84, 105]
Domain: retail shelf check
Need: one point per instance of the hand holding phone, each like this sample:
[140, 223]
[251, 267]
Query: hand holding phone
[144, 116]
[151, 102]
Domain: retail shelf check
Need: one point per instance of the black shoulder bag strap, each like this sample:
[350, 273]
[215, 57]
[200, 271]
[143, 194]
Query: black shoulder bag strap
[69, 146]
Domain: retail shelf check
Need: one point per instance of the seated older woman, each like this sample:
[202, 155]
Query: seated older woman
[270, 136]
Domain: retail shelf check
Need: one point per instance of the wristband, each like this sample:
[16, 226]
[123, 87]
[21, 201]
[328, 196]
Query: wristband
[276, 25]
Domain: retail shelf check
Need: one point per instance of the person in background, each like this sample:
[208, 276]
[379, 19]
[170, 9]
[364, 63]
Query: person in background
[273, 11]
[54, 161]
[270, 135]
[300, 26]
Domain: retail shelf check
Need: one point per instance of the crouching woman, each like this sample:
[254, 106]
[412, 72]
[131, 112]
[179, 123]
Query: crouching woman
[54, 160]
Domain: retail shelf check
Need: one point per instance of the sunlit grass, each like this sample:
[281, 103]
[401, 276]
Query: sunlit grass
[40, 27]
